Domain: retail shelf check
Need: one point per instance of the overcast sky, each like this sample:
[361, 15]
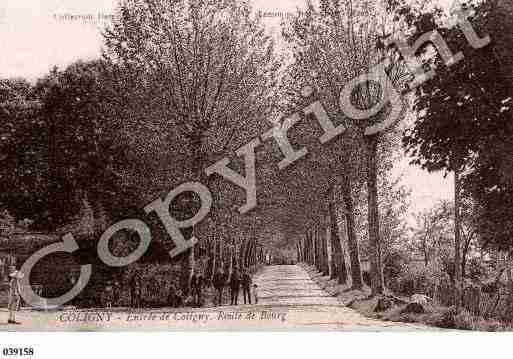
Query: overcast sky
[34, 37]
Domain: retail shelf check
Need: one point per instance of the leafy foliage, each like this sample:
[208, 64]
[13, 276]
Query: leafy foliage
[462, 118]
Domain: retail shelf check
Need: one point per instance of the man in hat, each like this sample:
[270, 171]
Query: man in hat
[197, 287]
[135, 291]
[234, 287]
[246, 286]
[219, 281]
[14, 295]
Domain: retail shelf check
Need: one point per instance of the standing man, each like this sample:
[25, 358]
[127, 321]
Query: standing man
[14, 295]
[246, 286]
[116, 293]
[197, 288]
[234, 287]
[219, 283]
[255, 293]
[135, 291]
[108, 295]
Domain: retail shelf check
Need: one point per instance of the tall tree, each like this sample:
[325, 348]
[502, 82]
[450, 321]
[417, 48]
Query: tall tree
[23, 152]
[81, 140]
[206, 66]
[460, 114]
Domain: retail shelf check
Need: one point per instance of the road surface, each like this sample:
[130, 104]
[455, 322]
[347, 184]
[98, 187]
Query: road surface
[288, 300]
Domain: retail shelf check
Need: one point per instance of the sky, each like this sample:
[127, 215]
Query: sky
[36, 35]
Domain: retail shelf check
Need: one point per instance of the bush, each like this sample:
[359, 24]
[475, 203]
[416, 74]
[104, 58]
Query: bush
[447, 318]
[415, 308]
[489, 325]
[416, 278]
[394, 263]
[464, 320]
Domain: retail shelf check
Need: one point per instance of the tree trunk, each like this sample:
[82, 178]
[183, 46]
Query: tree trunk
[318, 245]
[352, 241]
[247, 257]
[188, 264]
[339, 264]
[377, 281]
[214, 260]
[187, 270]
[306, 253]
[425, 250]
[457, 241]
[325, 256]
[314, 249]
[231, 254]
[308, 247]
[509, 302]
[242, 252]
[464, 259]
[332, 263]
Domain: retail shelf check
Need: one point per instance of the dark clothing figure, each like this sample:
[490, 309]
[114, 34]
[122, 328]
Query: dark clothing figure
[116, 295]
[219, 282]
[153, 289]
[197, 289]
[246, 287]
[175, 298]
[108, 295]
[171, 296]
[135, 292]
[179, 299]
[255, 293]
[234, 287]
[219, 296]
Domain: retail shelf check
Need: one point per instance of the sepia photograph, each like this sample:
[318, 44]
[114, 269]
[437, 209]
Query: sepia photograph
[256, 166]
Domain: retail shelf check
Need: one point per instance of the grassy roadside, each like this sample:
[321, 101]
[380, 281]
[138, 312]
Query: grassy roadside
[436, 316]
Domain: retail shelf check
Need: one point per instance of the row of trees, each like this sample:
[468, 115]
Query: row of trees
[460, 125]
[331, 46]
[183, 83]
[180, 84]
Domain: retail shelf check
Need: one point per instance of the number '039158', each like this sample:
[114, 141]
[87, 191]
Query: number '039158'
[17, 351]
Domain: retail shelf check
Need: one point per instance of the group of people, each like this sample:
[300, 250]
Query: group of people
[177, 298]
[112, 293]
[234, 282]
[220, 280]
[144, 294]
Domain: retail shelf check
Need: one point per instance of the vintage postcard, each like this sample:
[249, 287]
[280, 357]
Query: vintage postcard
[233, 165]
